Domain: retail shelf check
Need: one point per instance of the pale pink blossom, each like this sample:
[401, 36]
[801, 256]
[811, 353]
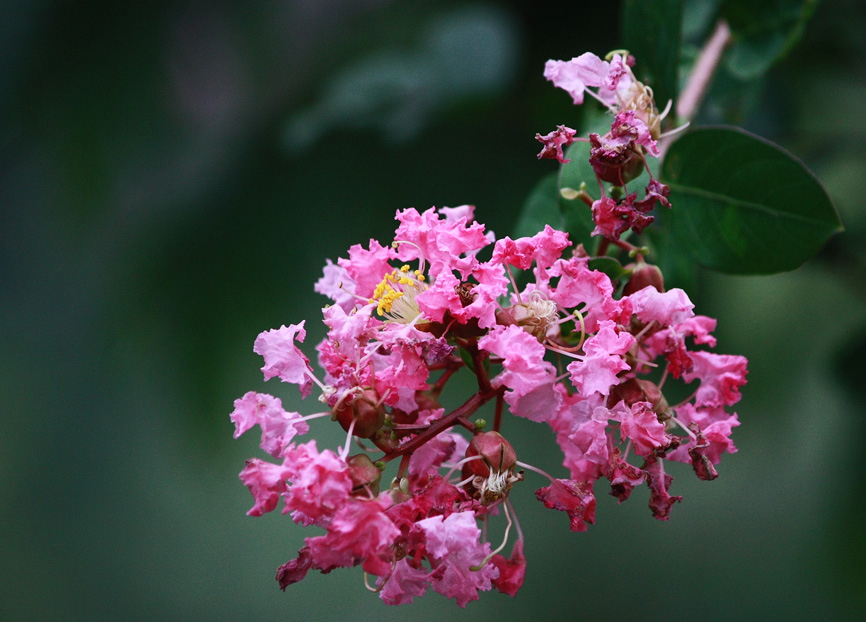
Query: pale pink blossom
[592, 289]
[523, 362]
[278, 426]
[367, 267]
[337, 285]
[283, 358]
[575, 75]
[440, 298]
[444, 244]
[543, 248]
[454, 549]
[665, 308]
[602, 360]
[492, 284]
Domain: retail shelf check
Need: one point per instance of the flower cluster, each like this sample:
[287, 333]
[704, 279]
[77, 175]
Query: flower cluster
[569, 348]
[562, 350]
[619, 156]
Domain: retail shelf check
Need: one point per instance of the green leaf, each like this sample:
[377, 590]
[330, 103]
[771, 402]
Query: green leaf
[652, 30]
[763, 32]
[743, 205]
[466, 357]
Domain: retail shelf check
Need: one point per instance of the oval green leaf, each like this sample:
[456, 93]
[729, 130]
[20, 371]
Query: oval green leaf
[743, 205]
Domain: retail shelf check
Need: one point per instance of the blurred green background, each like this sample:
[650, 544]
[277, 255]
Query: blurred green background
[173, 176]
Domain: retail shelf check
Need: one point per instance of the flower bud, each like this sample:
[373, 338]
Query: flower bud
[643, 274]
[636, 390]
[364, 474]
[365, 410]
[496, 453]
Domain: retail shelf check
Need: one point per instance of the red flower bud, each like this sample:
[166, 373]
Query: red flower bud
[636, 390]
[643, 274]
[495, 451]
[364, 474]
[365, 410]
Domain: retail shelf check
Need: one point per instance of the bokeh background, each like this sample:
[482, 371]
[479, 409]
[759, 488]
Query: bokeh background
[173, 175]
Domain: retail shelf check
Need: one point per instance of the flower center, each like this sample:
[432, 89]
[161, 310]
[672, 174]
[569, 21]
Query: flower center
[496, 485]
[395, 295]
[534, 315]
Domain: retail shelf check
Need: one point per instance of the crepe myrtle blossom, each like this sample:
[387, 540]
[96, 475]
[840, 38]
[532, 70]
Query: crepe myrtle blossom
[619, 156]
[570, 349]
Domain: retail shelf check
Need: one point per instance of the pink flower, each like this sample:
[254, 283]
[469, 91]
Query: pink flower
[578, 285]
[367, 268]
[553, 143]
[543, 248]
[295, 570]
[320, 483]
[574, 498]
[623, 476]
[612, 219]
[670, 307]
[266, 482]
[404, 583]
[511, 571]
[539, 404]
[278, 426]
[492, 283]
[721, 377]
[602, 360]
[454, 550]
[641, 426]
[714, 424]
[283, 358]
[575, 75]
[388, 357]
[441, 242]
[627, 125]
[360, 532]
[430, 456]
[590, 436]
[337, 285]
[618, 72]
[523, 360]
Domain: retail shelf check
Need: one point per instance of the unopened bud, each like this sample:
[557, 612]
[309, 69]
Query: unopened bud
[642, 275]
[636, 390]
[365, 410]
[496, 453]
[364, 473]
